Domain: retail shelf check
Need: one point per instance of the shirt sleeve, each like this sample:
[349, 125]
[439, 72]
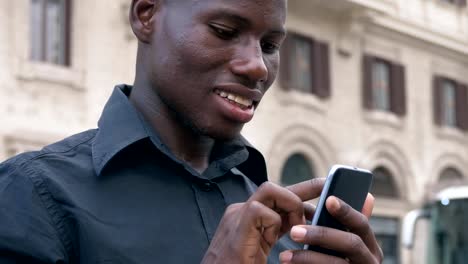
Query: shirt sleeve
[27, 232]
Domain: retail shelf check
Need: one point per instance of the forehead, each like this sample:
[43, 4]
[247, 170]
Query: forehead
[271, 11]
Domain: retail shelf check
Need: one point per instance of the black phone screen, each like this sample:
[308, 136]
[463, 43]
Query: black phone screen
[350, 186]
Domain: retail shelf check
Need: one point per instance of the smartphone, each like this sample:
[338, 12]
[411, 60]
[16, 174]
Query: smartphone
[351, 185]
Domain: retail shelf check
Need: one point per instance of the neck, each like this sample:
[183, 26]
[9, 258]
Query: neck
[183, 141]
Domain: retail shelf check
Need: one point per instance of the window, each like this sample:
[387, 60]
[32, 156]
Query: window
[386, 231]
[50, 31]
[300, 70]
[305, 65]
[447, 233]
[450, 177]
[384, 85]
[381, 85]
[296, 169]
[383, 184]
[450, 103]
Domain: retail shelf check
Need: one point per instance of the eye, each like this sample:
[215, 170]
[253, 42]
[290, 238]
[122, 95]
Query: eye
[224, 32]
[269, 47]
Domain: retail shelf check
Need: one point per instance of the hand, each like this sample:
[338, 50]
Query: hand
[359, 245]
[248, 231]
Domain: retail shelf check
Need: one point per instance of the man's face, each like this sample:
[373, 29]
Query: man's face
[211, 61]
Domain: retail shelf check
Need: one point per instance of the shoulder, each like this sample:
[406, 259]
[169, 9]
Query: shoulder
[65, 150]
[34, 172]
[47, 171]
[29, 213]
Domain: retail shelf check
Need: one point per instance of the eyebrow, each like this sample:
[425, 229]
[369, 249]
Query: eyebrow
[230, 15]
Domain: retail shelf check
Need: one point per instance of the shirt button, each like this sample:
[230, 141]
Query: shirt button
[207, 186]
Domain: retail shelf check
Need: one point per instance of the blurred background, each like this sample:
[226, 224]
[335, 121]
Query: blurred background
[378, 84]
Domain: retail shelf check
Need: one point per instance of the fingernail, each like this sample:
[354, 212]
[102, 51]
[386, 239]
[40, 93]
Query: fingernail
[285, 257]
[298, 233]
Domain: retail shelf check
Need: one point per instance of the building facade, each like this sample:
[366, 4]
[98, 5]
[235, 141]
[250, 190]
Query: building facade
[379, 84]
[60, 60]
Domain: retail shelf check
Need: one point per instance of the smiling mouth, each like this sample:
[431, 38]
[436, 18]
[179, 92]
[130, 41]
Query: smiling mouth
[242, 102]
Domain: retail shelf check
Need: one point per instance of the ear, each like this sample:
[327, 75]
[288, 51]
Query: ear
[142, 14]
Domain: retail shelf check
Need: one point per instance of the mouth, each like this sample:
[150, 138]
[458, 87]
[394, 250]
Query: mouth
[237, 102]
[235, 99]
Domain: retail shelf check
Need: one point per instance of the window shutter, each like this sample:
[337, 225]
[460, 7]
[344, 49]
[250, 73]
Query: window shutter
[461, 106]
[397, 90]
[436, 99]
[68, 29]
[321, 70]
[367, 82]
[285, 66]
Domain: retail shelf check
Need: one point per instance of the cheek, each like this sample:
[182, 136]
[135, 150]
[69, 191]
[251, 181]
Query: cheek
[198, 52]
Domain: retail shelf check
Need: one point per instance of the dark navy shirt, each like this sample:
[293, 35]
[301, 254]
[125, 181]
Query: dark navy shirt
[117, 194]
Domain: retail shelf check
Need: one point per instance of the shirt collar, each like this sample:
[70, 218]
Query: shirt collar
[254, 167]
[121, 125]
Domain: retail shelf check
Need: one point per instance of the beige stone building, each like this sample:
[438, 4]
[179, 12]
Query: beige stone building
[59, 60]
[378, 84]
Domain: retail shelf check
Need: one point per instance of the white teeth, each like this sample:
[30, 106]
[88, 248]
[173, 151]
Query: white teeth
[243, 101]
[238, 99]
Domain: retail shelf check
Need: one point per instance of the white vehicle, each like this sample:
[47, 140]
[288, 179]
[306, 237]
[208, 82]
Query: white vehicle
[446, 239]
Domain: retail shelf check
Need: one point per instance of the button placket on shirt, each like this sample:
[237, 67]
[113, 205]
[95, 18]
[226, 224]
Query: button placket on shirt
[206, 186]
[211, 204]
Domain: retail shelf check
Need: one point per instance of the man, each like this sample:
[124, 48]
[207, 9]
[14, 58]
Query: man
[167, 178]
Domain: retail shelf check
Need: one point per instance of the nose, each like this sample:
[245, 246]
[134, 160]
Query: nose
[249, 63]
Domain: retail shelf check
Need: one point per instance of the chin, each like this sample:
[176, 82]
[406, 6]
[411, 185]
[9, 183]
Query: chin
[226, 137]
[223, 134]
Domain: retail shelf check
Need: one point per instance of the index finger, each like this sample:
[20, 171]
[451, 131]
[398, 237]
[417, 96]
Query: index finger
[308, 190]
[280, 200]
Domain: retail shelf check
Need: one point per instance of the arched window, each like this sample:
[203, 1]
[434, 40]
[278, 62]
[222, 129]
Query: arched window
[386, 228]
[296, 169]
[383, 184]
[386, 231]
[450, 176]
